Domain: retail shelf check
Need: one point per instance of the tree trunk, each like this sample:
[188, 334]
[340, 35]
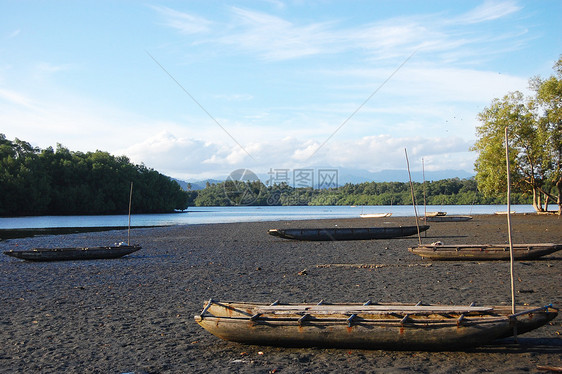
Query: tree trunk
[537, 202]
[559, 196]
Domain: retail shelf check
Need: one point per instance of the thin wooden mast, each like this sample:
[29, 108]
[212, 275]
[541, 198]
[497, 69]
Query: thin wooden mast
[413, 198]
[511, 259]
[509, 222]
[424, 192]
[129, 227]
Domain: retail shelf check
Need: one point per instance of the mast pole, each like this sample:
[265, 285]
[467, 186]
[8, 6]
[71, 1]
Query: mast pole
[413, 198]
[511, 259]
[424, 195]
[129, 227]
[509, 222]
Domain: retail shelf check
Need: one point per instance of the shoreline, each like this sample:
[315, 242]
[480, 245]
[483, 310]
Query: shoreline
[135, 314]
[19, 233]
[25, 232]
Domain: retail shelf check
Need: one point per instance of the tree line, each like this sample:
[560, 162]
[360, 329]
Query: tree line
[452, 191]
[49, 181]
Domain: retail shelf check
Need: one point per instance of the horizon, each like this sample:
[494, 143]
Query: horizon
[196, 90]
[352, 176]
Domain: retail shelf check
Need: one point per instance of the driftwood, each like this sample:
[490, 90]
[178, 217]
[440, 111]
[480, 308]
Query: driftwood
[371, 266]
[557, 369]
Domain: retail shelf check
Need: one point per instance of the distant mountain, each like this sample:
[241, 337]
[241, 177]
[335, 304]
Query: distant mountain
[353, 176]
[196, 185]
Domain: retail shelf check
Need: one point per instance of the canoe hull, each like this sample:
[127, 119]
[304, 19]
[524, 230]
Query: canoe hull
[368, 329]
[375, 215]
[73, 254]
[336, 234]
[447, 218]
[485, 252]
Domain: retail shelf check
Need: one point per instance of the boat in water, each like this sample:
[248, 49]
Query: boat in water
[368, 326]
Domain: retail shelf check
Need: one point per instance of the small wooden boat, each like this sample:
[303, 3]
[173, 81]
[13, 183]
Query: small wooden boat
[341, 233]
[446, 218]
[70, 254]
[483, 252]
[375, 215]
[368, 326]
[435, 214]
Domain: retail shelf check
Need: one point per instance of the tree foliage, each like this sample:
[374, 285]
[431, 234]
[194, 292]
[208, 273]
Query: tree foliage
[452, 191]
[535, 141]
[37, 181]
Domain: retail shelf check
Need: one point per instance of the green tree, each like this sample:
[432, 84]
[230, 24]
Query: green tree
[534, 126]
[548, 101]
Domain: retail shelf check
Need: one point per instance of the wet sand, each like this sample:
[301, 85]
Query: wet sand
[135, 314]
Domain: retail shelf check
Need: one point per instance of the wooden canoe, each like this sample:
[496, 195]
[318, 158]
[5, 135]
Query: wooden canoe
[368, 326]
[71, 254]
[477, 252]
[375, 215]
[435, 214]
[446, 218]
[340, 233]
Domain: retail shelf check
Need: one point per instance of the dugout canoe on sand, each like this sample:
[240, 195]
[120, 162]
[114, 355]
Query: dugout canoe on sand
[446, 218]
[375, 215]
[435, 214]
[368, 326]
[341, 233]
[73, 254]
[483, 252]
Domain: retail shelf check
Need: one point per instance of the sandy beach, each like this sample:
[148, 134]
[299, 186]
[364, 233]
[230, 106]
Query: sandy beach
[135, 314]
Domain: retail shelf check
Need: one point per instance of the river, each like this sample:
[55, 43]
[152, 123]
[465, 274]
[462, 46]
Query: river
[204, 215]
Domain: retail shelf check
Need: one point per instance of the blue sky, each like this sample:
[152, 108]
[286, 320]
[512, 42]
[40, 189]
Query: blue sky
[197, 89]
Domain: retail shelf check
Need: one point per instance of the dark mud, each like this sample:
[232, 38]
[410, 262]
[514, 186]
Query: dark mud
[135, 314]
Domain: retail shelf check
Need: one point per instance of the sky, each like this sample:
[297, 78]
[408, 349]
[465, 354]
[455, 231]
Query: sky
[198, 89]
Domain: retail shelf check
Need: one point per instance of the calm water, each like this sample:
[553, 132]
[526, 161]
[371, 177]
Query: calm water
[198, 215]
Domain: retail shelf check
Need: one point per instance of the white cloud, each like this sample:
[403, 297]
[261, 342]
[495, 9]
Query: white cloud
[275, 38]
[14, 97]
[488, 11]
[184, 157]
[176, 155]
[184, 23]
